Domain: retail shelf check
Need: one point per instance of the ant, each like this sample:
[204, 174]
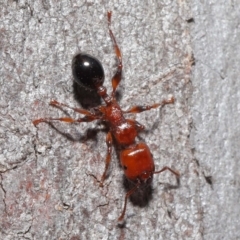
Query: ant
[135, 157]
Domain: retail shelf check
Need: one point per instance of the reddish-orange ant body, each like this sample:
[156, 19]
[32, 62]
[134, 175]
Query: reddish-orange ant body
[135, 157]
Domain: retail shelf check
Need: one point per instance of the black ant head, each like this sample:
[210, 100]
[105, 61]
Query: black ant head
[87, 71]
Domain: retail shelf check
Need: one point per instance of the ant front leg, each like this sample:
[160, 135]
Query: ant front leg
[118, 75]
[108, 157]
[139, 109]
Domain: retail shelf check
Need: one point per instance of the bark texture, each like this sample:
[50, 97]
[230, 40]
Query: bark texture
[49, 173]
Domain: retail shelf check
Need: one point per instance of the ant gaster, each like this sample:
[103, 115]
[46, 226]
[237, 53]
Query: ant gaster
[135, 157]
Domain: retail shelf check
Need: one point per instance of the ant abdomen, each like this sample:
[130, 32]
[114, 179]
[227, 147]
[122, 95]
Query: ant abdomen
[87, 71]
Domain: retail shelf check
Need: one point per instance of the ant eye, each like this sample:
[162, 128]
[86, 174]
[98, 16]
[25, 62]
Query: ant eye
[125, 167]
[87, 71]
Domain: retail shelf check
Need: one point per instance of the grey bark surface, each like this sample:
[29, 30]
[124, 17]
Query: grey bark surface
[215, 135]
[48, 173]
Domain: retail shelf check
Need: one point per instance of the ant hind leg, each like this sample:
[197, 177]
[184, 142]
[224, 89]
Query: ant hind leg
[139, 109]
[118, 75]
[89, 117]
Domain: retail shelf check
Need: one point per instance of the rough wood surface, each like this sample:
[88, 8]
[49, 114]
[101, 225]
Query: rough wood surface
[48, 187]
[215, 135]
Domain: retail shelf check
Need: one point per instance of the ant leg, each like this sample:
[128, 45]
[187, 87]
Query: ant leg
[65, 119]
[138, 109]
[118, 75]
[89, 117]
[125, 202]
[55, 103]
[108, 157]
[177, 174]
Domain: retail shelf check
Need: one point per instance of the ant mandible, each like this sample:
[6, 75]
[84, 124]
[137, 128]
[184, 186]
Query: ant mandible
[135, 157]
